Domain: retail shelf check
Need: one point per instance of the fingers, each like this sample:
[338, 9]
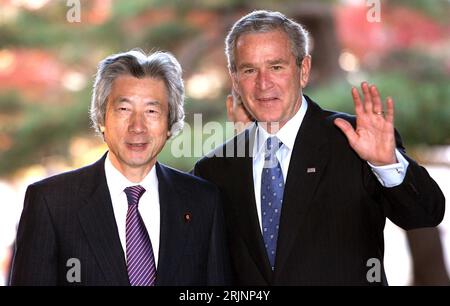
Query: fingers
[367, 97]
[357, 100]
[347, 129]
[377, 106]
[390, 110]
[372, 101]
[229, 105]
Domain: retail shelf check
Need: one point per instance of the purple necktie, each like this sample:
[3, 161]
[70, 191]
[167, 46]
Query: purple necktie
[140, 260]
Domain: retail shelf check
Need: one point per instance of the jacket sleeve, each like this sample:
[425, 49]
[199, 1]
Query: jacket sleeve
[219, 273]
[35, 254]
[416, 202]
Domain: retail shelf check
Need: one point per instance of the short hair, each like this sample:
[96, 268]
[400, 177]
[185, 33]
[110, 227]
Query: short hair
[262, 22]
[159, 65]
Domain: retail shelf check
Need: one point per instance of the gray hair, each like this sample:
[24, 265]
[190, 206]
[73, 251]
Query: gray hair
[262, 22]
[160, 65]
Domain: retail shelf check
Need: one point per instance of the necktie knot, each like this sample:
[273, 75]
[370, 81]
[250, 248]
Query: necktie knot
[271, 148]
[134, 193]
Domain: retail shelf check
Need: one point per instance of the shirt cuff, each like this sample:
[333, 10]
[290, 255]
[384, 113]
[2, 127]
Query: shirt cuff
[391, 175]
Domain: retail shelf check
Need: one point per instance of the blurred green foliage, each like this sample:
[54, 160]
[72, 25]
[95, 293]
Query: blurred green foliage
[166, 35]
[421, 92]
[40, 129]
[437, 9]
[417, 82]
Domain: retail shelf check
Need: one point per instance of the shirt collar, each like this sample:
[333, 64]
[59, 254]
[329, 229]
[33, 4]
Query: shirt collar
[287, 133]
[117, 182]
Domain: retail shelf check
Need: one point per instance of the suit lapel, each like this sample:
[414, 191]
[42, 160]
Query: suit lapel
[100, 228]
[248, 216]
[307, 165]
[174, 230]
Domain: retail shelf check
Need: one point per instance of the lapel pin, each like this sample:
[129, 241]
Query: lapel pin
[310, 170]
[187, 217]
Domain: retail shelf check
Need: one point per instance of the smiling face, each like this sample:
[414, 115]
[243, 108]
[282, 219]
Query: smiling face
[267, 77]
[136, 124]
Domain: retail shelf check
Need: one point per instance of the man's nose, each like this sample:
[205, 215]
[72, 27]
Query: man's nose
[137, 123]
[263, 80]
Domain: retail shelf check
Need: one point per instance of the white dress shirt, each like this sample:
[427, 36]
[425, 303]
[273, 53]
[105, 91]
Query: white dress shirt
[148, 204]
[388, 175]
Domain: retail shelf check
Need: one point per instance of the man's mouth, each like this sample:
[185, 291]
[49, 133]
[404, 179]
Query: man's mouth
[137, 146]
[267, 99]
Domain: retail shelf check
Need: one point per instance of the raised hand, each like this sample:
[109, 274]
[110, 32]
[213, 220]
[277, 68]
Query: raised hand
[374, 139]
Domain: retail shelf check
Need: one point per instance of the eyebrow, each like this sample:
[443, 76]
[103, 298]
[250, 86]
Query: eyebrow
[271, 62]
[245, 65]
[121, 99]
[125, 99]
[153, 103]
[278, 61]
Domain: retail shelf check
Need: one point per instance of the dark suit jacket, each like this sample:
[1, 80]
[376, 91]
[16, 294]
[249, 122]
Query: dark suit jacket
[332, 220]
[71, 216]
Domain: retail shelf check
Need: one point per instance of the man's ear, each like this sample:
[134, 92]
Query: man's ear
[234, 82]
[305, 71]
[229, 106]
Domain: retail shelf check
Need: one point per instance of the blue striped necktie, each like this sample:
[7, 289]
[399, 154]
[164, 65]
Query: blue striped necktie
[140, 260]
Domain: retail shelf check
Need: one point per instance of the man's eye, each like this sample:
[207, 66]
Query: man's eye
[277, 67]
[248, 71]
[122, 108]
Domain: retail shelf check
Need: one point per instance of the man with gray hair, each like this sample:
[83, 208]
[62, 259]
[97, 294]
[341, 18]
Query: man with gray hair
[126, 219]
[308, 202]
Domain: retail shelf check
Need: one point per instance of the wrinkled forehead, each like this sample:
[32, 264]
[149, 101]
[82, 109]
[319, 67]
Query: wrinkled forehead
[267, 46]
